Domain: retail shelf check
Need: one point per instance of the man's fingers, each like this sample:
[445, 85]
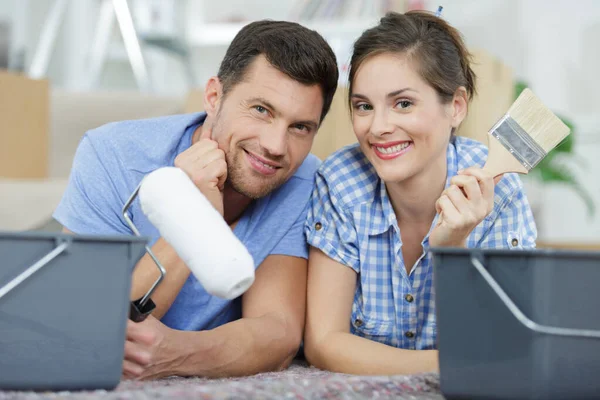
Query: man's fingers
[196, 154]
[137, 354]
[127, 376]
[218, 170]
[132, 370]
[199, 155]
[137, 332]
[211, 156]
[202, 146]
[200, 166]
[206, 132]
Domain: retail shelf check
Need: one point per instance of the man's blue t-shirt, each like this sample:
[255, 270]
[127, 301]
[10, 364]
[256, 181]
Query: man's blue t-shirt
[111, 161]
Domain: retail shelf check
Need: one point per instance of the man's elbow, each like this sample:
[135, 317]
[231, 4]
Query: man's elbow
[285, 364]
[291, 338]
[292, 345]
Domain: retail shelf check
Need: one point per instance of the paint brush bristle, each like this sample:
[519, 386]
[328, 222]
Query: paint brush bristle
[544, 128]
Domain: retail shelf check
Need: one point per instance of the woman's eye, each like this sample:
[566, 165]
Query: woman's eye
[363, 107]
[404, 104]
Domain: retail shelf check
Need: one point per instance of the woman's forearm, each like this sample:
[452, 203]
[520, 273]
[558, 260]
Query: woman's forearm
[347, 353]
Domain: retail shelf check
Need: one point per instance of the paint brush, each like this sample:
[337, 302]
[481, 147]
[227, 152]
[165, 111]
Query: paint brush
[523, 136]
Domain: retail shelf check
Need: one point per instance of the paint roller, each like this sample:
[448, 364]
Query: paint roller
[197, 232]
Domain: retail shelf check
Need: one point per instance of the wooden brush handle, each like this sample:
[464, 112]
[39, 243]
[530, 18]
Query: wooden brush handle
[501, 161]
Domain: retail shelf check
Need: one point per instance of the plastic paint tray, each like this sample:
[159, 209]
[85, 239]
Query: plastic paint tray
[518, 324]
[63, 327]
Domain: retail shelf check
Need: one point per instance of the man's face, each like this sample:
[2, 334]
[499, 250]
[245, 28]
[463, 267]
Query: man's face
[266, 125]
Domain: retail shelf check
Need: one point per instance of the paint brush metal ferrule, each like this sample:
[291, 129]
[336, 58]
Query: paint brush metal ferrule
[516, 140]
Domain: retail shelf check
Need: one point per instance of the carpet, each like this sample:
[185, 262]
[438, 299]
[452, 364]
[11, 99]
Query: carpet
[297, 382]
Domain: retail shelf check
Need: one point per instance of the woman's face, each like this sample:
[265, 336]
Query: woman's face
[399, 120]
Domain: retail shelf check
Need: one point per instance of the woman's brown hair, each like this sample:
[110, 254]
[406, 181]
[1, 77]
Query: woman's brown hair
[437, 48]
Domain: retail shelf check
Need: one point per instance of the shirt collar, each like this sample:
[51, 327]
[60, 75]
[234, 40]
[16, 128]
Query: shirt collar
[383, 215]
[452, 165]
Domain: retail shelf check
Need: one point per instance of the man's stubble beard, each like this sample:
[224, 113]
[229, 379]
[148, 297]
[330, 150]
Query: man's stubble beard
[247, 187]
[235, 171]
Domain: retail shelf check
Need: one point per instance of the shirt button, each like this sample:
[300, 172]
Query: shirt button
[515, 242]
[358, 322]
[318, 226]
[409, 334]
[409, 298]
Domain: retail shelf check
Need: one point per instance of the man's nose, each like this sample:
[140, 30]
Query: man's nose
[274, 141]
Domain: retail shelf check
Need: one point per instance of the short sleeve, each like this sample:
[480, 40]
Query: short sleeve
[293, 243]
[329, 228]
[514, 226]
[91, 203]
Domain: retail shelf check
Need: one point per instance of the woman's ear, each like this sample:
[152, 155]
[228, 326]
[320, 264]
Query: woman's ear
[460, 105]
[213, 95]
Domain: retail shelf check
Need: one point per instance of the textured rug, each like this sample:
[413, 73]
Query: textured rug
[297, 382]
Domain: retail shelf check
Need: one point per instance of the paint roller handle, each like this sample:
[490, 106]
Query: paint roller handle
[140, 309]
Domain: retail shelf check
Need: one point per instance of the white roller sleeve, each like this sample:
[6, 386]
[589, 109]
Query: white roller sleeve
[198, 233]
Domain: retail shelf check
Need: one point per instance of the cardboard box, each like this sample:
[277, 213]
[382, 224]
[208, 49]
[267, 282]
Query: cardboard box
[24, 115]
[336, 130]
[495, 93]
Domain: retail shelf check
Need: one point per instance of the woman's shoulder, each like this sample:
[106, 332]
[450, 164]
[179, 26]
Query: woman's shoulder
[470, 152]
[348, 175]
[349, 156]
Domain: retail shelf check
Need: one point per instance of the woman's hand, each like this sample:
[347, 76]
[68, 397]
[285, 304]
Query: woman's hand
[462, 206]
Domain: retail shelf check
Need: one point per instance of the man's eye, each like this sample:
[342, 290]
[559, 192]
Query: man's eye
[301, 127]
[260, 109]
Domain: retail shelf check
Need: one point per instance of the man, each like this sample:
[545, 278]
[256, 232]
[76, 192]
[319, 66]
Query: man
[249, 155]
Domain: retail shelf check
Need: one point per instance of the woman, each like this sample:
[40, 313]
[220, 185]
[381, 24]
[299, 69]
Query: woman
[408, 185]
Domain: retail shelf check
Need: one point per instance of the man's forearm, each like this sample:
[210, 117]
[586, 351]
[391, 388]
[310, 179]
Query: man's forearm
[244, 347]
[146, 273]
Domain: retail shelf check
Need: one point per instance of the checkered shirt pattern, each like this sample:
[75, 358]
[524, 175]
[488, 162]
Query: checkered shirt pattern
[352, 221]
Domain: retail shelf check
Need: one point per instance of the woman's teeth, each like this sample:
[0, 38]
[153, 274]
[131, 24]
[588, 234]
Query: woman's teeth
[392, 149]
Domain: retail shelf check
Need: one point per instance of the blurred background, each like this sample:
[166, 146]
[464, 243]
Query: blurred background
[71, 65]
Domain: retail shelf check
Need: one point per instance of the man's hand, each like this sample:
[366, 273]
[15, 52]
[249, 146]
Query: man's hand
[462, 206]
[205, 164]
[150, 350]
[266, 338]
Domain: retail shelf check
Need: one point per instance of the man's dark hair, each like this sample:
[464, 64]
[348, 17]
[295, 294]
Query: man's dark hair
[300, 53]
